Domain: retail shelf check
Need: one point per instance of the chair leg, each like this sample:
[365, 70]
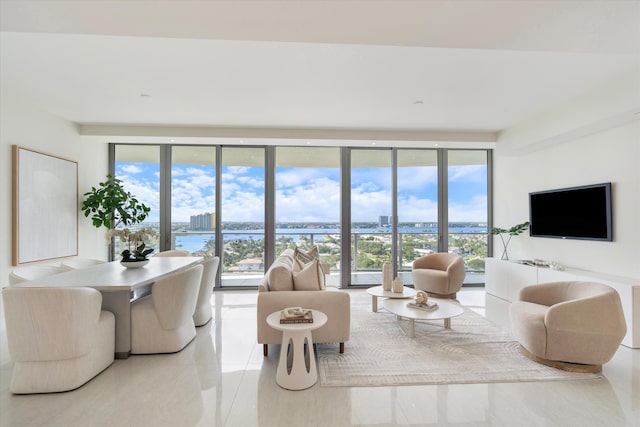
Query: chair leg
[265, 350]
[341, 347]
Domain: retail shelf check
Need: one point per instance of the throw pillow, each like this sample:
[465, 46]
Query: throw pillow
[309, 278]
[306, 256]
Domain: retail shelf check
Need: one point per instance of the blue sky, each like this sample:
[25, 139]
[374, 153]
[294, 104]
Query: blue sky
[310, 194]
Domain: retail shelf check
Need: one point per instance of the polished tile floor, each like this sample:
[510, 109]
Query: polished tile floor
[222, 379]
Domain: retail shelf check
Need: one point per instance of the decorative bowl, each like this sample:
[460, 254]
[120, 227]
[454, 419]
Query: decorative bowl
[134, 264]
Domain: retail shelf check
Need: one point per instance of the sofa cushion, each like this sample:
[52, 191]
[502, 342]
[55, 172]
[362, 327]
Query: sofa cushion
[279, 275]
[305, 256]
[309, 278]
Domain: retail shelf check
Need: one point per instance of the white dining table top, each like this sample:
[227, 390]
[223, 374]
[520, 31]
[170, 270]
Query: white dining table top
[112, 276]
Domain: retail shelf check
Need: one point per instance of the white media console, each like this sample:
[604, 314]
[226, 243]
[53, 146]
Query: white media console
[504, 279]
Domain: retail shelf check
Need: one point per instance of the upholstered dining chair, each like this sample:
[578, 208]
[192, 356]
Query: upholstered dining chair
[33, 272]
[59, 338]
[173, 253]
[76, 263]
[440, 275]
[570, 325]
[203, 313]
[163, 321]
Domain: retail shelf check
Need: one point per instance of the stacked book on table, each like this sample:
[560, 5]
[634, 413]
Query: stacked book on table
[428, 306]
[296, 315]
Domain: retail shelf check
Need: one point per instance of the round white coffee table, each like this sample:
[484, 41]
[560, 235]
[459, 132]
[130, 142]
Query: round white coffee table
[445, 311]
[298, 334]
[378, 292]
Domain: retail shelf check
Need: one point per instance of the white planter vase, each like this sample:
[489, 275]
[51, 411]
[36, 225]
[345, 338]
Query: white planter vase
[387, 276]
[397, 286]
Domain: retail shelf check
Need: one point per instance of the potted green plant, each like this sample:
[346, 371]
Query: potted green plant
[111, 206]
[513, 231]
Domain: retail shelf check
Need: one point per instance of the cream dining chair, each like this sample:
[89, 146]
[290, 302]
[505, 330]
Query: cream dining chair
[76, 263]
[58, 338]
[163, 321]
[173, 253]
[33, 272]
[203, 312]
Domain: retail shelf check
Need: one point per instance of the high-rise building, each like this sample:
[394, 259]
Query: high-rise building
[203, 222]
[385, 221]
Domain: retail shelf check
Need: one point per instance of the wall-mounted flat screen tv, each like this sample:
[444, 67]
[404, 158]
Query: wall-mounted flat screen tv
[572, 213]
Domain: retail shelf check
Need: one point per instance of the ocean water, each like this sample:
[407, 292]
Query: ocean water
[195, 242]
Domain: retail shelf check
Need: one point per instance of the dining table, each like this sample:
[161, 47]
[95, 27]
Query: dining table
[120, 287]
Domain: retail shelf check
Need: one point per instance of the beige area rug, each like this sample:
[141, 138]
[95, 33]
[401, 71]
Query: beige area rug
[473, 351]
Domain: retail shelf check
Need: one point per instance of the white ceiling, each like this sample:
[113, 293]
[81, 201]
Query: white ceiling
[374, 65]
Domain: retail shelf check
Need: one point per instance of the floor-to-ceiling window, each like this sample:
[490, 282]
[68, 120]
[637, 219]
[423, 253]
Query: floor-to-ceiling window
[417, 206]
[138, 166]
[193, 199]
[372, 219]
[242, 215]
[307, 202]
[361, 206]
[467, 203]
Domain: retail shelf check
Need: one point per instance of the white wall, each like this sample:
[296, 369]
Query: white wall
[29, 127]
[526, 161]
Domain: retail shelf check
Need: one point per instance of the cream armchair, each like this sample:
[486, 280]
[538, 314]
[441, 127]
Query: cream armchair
[163, 321]
[562, 324]
[58, 338]
[440, 275]
[203, 312]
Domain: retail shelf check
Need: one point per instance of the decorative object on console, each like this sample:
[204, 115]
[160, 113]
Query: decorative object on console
[542, 263]
[397, 285]
[513, 231]
[111, 206]
[387, 276]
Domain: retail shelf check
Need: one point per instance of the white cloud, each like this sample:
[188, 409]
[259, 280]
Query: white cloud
[475, 210]
[305, 194]
[468, 173]
[130, 168]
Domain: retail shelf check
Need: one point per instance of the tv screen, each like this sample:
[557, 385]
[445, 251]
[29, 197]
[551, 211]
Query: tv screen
[572, 213]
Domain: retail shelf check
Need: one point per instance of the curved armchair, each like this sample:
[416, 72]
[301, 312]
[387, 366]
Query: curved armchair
[203, 312]
[33, 272]
[58, 338]
[440, 275]
[163, 321]
[76, 263]
[565, 323]
[173, 253]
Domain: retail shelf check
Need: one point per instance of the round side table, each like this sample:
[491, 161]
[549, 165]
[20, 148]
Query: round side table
[379, 292]
[297, 334]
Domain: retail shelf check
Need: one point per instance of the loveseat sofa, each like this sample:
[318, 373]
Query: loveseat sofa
[289, 283]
